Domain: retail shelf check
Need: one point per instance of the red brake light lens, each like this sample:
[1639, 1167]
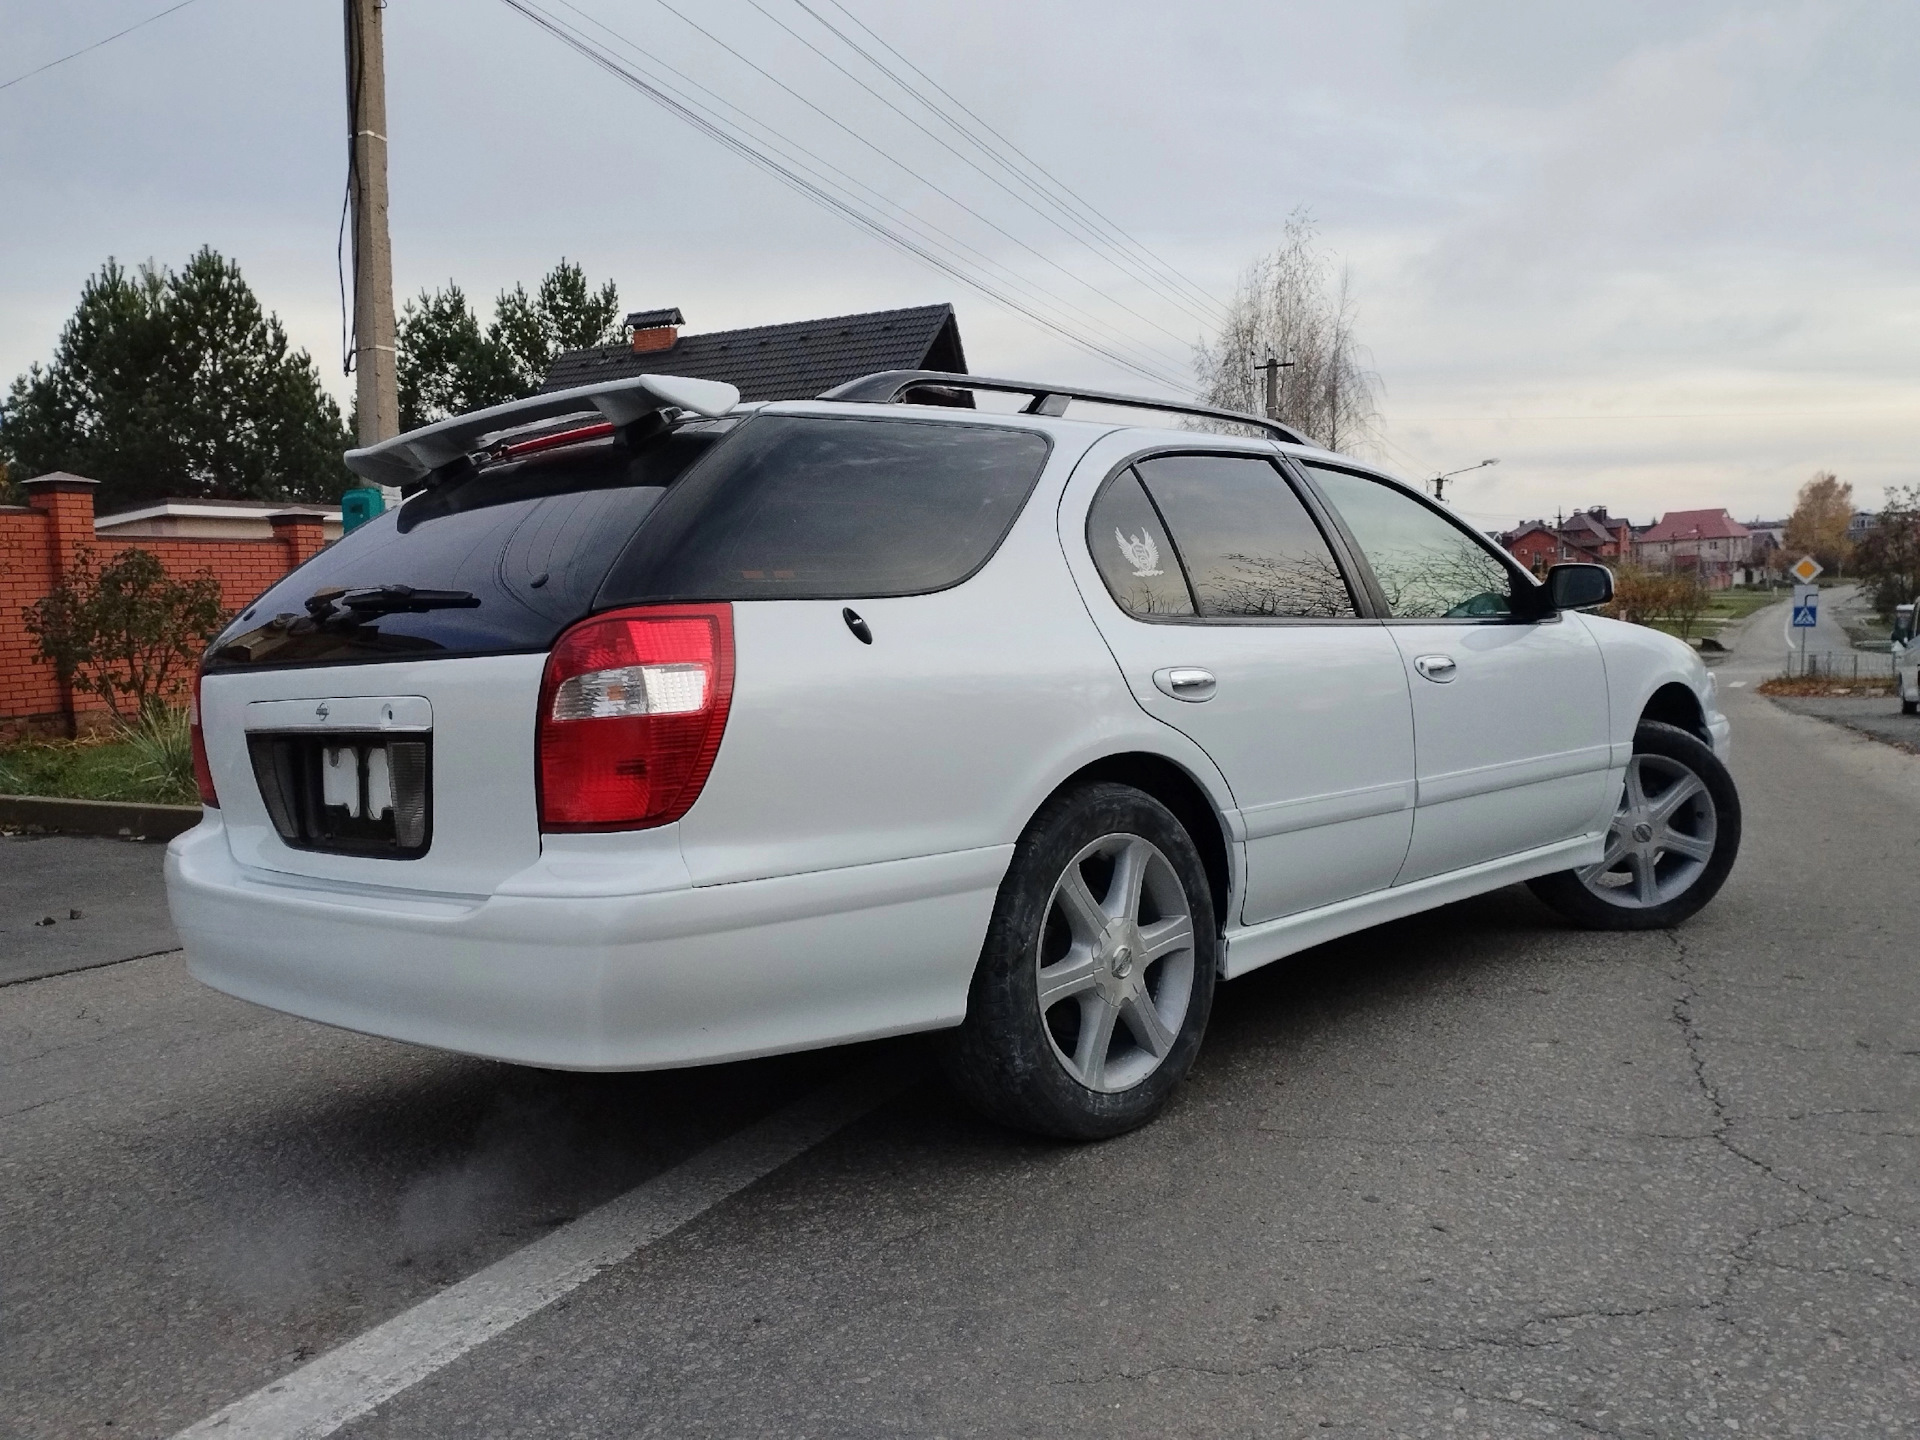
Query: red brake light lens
[202, 771]
[632, 708]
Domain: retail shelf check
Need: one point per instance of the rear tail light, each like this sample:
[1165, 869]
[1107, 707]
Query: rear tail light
[202, 771]
[632, 708]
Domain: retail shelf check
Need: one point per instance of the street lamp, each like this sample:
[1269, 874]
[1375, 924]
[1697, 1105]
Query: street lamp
[1440, 481]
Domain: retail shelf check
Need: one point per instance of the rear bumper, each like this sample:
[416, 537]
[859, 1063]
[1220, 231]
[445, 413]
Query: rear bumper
[1721, 732]
[601, 982]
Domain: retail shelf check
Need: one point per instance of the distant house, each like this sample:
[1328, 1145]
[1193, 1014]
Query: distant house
[1711, 543]
[1767, 559]
[209, 520]
[795, 361]
[1536, 544]
[1590, 535]
[1596, 535]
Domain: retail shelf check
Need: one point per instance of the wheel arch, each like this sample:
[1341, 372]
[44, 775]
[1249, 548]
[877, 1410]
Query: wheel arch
[1675, 704]
[1176, 788]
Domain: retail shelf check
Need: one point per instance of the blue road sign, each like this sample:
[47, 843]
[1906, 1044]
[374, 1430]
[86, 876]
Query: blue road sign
[1806, 607]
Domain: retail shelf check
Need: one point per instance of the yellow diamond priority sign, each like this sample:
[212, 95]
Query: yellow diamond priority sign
[1805, 569]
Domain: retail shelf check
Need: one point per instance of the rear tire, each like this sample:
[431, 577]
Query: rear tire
[1910, 707]
[1671, 845]
[1097, 975]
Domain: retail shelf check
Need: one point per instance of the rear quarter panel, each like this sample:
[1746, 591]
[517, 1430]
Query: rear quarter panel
[946, 733]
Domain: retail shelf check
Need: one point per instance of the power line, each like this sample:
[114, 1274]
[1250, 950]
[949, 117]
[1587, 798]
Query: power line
[756, 156]
[88, 49]
[1163, 266]
[894, 160]
[814, 165]
[1078, 237]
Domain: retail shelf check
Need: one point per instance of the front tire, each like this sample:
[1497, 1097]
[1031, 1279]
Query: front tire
[1097, 975]
[1672, 842]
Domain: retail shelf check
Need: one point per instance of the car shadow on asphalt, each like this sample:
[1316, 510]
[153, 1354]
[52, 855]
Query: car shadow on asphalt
[455, 1156]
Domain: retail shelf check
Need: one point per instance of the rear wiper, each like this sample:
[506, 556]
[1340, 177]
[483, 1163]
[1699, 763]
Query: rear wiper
[339, 602]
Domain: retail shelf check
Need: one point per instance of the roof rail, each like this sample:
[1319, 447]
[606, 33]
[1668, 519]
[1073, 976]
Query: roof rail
[887, 386]
[412, 457]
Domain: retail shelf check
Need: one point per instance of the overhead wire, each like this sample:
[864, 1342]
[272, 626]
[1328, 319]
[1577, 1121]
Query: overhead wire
[1164, 267]
[349, 318]
[815, 164]
[892, 159]
[89, 49]
[742, 146]
[1078, 237]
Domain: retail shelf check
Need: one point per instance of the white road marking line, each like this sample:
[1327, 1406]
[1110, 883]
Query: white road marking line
[347, 1382]
[1736, 684]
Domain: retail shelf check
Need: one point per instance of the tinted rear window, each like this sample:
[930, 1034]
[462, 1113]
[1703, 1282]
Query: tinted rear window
[530, 540]
[804, 507]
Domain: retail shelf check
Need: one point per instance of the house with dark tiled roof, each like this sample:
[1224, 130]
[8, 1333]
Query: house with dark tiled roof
[794, 361]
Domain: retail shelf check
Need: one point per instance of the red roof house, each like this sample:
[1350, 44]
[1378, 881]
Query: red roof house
[1710, 542]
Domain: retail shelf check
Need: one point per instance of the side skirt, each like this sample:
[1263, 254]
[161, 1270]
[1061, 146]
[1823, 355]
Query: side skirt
[1251, 946]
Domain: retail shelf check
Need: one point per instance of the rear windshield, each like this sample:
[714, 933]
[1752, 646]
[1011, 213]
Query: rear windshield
[784, 507]
[807, 507]
[528, 541]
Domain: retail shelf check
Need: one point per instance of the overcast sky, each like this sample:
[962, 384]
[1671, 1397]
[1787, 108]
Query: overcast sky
[1655, 254]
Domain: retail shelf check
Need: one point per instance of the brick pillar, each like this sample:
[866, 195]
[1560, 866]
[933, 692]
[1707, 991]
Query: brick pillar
[304, 534]
[67, 502]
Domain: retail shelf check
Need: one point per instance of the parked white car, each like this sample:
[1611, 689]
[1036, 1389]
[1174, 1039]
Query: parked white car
[656, 729]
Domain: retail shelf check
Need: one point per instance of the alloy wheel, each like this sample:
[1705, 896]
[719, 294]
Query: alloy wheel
[1661, 839]
[1114, 962]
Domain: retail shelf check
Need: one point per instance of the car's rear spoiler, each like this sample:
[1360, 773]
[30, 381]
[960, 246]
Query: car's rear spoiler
[413, 457]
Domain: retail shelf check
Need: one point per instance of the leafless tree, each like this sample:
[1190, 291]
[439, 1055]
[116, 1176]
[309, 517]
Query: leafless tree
[1294, 306]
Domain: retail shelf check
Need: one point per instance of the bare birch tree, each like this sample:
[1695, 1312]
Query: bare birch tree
[1293, 305]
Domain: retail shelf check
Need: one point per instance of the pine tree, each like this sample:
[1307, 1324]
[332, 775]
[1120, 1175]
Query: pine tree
[447, 364]
[176, 384]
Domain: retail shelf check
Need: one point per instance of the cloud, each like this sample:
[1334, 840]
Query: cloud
[1693, 209]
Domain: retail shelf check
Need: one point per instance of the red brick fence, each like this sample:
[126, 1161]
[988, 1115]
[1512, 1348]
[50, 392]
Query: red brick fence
[39, 542]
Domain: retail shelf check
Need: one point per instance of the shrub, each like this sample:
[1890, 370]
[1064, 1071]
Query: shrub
[126, 631]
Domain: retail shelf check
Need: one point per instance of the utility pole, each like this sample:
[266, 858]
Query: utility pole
[373, 357]
[1273, 365]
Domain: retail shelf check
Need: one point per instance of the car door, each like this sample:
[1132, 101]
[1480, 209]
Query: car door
[1234, 623]
[1509, 702]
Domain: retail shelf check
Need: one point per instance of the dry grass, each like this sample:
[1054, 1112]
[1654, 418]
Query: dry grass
[1815, 686]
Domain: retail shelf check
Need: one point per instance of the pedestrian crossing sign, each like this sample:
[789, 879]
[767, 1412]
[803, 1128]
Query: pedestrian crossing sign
[1805, 570]
[1806, 607]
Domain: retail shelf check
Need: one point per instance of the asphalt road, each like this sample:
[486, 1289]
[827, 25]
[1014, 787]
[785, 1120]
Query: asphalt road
[1471, 1174]
[70, 904]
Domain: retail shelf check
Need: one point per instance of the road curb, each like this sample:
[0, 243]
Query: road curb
[113, 818]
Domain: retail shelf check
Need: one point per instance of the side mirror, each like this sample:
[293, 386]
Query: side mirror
[1579, 587]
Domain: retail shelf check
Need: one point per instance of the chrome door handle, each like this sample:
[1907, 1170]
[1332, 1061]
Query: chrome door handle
[1184, 682]
[1438, 668]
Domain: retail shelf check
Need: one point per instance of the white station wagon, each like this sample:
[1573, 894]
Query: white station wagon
[656, 729]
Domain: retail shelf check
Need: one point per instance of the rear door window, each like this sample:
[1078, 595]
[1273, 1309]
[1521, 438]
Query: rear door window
[1250, 549]
[810, 507]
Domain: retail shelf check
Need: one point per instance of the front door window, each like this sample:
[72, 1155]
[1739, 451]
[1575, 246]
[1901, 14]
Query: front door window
[1428, 568]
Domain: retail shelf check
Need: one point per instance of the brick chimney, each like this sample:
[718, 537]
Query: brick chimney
[655, 330]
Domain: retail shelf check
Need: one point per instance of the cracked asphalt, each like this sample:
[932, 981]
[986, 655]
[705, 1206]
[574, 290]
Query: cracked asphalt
[1474, 1174]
